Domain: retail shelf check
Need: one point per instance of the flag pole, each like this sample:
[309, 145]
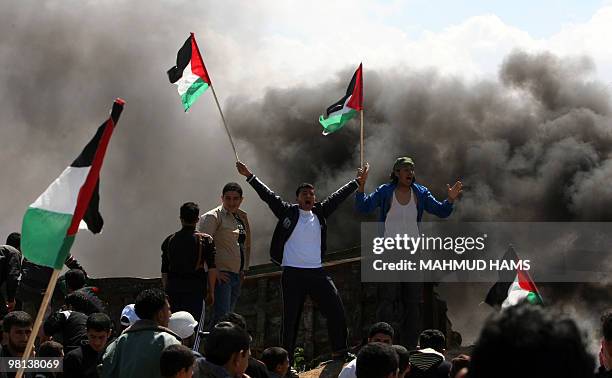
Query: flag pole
[361, 140]
[39, 318]
[224, 123]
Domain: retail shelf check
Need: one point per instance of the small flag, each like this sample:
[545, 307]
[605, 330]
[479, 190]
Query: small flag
[189, 74]
[513, 287]
[344, 109]
[50, 224]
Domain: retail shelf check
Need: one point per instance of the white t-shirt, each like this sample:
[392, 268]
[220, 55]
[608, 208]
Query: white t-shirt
[349, 370]
[402, 219]
[303, 248]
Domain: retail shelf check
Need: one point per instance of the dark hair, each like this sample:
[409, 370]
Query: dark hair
[99, 322]
[606, 325]
[273, 357]
[81, 301]
[458, 363]
[376, 360]
[190, 211]
[380, 327]
[236, 319]
[149, 302]
[232, 187]
[224, 340]
[303, 185]
[50, 349]
[17, 319]
[403, 357]
[175, 358]
[432, 338]
[75, 279]
[527, 340]
[14, 240]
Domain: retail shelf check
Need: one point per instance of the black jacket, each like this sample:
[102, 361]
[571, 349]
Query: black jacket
[288, 214]
[10, 269]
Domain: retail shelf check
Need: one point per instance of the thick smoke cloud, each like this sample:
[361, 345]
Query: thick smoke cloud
[533, 144]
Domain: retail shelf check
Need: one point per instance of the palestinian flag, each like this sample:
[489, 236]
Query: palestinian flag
[344, 109]
[50, 224]
[189, 74]
[513, 287]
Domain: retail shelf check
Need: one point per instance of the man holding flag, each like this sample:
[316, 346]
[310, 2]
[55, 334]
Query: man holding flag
[298, 244]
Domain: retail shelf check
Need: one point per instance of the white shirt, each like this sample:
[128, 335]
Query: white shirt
[303, 248]
[349, 370]
[402, 219]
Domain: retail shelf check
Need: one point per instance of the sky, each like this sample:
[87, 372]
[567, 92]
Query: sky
[63, 63]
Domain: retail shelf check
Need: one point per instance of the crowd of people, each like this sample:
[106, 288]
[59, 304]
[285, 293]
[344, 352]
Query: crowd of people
[164, 332]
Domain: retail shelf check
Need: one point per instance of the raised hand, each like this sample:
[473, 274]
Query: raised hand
[243, 169]
[362, 176]
[454, 191]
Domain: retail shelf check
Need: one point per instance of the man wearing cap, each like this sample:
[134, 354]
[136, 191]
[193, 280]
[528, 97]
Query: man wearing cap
[402, 202]
[128, 316]
[229, 227]
[184, 325]
[188, 262]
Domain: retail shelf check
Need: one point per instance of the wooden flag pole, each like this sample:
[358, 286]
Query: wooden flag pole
[39, 318]
[224, 123]
[361, 141]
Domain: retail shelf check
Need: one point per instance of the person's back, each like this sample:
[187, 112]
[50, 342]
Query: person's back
[67, 327]
[137, 351]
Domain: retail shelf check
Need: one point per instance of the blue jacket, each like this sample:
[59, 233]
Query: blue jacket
[383, 196]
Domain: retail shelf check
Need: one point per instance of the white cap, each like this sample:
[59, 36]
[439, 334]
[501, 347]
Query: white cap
[183, 324]
[128, 315]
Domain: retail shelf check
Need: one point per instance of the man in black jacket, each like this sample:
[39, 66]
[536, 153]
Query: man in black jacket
[298, 244]
[10, 269]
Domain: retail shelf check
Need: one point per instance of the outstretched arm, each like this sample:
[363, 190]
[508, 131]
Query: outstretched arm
[445, 208]
[275, 203]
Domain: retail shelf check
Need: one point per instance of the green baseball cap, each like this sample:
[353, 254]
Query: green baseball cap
[402, 161]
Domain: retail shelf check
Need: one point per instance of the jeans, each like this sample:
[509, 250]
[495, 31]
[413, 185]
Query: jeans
[226, 296]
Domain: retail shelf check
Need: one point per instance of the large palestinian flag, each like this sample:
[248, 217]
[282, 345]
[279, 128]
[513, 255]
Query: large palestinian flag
[189, 74]
[344, 109]
[50, 224]
[513, 287]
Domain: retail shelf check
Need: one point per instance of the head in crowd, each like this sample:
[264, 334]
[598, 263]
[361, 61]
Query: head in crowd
[14, 240]
[82, 301]
[403, 171]
[184, 325]
[231, 196]
[434, 339]
[190, 213]
[381, 332]
[75, 279]
[18, 326]
[305, 194]
[128, 316]
[227, 345]
[459, 363]
[152, 304]
[176, 361]
[276, 360]
[376, 360]
[98, 330]
[235, 319]
[527, 340]
[50, 349]
[403, 360]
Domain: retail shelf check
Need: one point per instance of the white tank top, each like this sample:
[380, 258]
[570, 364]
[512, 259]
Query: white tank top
[402, 219]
